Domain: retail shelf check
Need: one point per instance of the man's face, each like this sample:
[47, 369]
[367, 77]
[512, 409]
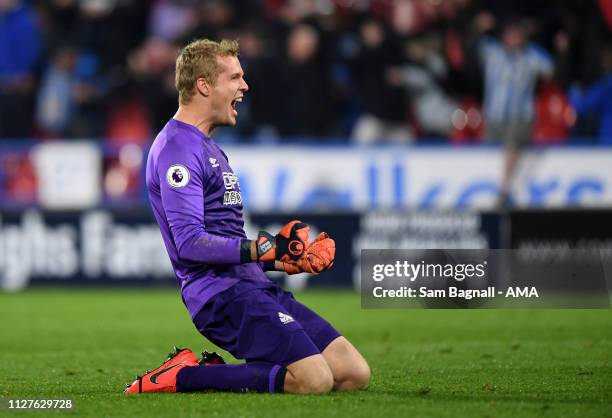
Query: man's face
[227, 91]
[514, 37]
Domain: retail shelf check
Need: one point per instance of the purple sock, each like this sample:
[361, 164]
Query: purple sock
[255, 376]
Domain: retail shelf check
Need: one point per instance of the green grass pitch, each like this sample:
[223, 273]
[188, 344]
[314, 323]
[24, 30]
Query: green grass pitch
[86, 344]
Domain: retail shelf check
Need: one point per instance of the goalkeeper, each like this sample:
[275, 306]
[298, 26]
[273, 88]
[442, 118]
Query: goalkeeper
[197, 203]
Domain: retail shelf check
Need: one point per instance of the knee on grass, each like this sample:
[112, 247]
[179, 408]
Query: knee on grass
[310, 375]
[357, 378]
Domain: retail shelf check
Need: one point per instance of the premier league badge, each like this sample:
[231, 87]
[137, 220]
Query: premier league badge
[177, 176]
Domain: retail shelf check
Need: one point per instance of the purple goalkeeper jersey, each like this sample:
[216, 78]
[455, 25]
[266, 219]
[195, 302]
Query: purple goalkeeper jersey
[196, 200]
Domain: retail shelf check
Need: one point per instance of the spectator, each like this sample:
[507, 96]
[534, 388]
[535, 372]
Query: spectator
[511, 69]
[109, 29]
[598, 98]
[389, 52]
[214, 17]
[170, 19]
[71, 95]
[308, 104]
[55, 106]
[152, 71]
[19, 54]
[423, 78]
[259, 112]
[378, 86]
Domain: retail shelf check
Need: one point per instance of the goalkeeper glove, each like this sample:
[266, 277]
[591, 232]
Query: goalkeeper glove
[286, 246]
[318, 257]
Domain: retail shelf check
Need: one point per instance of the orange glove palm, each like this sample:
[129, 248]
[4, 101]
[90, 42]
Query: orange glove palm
[318, 257]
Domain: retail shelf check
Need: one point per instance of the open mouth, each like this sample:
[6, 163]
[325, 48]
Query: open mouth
[235, 103]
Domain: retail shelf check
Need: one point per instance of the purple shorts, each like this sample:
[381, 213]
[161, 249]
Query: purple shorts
[263, 324]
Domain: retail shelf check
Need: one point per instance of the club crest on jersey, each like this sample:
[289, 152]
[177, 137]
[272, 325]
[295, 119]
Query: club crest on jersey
[177, 176]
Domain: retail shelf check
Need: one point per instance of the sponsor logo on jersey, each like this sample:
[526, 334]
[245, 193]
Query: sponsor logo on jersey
[213, 162]
[231, 196]
[285, 318]
[230, 180]
[177, 176]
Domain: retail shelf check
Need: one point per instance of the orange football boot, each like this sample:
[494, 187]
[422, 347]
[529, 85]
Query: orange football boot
[163, 379]
[210, 359]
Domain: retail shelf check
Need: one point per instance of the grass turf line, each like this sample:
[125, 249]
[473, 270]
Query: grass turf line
[84, 345]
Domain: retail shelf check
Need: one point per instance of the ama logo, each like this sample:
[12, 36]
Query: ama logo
[177, 176]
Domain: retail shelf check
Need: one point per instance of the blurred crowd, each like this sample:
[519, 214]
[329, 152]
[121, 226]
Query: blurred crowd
[353, 70]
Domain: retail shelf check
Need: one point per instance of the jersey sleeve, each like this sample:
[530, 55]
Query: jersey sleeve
[182, 180]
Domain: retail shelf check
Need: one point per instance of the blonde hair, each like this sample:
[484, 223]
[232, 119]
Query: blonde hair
[199, 59]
